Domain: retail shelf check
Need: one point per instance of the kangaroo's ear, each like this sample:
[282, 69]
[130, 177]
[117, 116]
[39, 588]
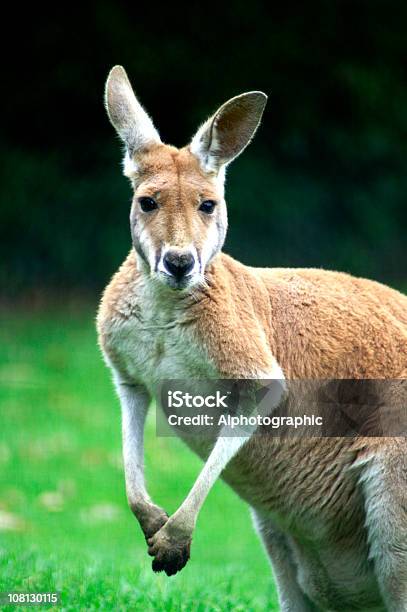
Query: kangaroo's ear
[224, 135]
[126, 114]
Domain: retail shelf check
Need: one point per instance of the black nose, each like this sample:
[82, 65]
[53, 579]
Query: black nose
[178, 264]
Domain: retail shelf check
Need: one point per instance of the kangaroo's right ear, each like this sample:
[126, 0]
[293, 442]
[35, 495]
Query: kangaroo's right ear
[126, 114]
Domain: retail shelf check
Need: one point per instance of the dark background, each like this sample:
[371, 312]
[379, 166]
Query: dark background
[323, 184]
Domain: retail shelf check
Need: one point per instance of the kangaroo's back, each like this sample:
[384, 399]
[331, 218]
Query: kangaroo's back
[331, 324]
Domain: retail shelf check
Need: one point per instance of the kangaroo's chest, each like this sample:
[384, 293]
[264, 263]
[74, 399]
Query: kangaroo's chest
[150, 348]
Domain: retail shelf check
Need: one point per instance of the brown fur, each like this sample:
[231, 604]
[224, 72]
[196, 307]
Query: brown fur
[318, 324]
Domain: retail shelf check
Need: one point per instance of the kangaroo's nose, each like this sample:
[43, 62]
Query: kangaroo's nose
[178, 264]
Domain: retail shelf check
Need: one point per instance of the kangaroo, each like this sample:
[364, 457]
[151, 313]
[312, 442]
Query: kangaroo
[331, 512]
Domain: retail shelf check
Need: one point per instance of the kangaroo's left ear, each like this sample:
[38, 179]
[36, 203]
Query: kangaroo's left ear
[224, 135]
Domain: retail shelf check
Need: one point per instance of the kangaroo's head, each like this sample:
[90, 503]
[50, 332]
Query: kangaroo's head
[178, 216]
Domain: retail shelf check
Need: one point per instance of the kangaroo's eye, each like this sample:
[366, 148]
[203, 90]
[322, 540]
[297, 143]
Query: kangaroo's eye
[208, 207]
[147, 204]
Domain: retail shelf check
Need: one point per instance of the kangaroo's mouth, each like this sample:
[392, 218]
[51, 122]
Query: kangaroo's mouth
[177, 283]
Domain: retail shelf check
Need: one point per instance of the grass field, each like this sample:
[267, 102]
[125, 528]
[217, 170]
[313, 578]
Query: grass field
[64, 522]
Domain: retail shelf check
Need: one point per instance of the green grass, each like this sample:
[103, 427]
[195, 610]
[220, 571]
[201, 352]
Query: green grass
[64, 522]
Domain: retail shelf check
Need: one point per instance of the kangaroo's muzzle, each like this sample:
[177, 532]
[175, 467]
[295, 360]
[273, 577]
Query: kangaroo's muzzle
[178, 264]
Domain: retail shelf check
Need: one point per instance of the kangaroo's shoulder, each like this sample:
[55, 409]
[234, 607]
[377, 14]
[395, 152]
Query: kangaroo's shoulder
[233, 320]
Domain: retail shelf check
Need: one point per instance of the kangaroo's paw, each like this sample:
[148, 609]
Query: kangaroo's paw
[170, 548]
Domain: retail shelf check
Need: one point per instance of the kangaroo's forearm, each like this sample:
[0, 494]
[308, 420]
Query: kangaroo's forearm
[171, 544]
[223, 451]
[227, 445]
[134, 402]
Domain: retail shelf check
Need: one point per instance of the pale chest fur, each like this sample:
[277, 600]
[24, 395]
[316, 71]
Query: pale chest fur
[152, 338]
